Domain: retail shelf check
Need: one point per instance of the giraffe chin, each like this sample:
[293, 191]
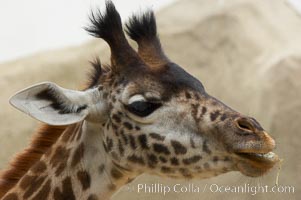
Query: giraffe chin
[256, 164]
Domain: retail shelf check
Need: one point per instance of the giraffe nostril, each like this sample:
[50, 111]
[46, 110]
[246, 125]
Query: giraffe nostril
[245, 124]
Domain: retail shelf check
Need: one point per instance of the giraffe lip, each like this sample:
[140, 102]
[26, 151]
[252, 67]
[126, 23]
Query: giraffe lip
[256, 164]
[269, 157]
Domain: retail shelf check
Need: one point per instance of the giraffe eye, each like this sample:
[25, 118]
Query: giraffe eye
[142, 108]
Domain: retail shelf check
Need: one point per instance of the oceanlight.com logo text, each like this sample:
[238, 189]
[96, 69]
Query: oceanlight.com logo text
[158, 188]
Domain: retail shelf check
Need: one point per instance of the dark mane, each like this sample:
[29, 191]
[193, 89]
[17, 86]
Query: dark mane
[44, 138]
[95, 73]
[142, 26]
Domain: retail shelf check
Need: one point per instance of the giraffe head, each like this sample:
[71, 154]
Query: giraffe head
[154, 116]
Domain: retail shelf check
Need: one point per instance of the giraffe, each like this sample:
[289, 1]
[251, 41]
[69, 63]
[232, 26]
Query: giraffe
[141, 114]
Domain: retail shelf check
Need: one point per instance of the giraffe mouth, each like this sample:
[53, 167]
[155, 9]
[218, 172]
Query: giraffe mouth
[256, 164]
[269, 157]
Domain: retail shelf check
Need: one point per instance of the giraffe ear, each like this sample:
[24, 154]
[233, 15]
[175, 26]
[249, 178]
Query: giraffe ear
[51, 104]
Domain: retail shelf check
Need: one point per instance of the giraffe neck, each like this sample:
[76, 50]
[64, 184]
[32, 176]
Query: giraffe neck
[96, 173]
[76, 167]
[106, 176]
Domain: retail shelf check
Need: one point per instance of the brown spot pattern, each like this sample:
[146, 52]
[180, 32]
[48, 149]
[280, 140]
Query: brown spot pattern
[120, 147]
[60, 169]
[25, 181]
[116, 118]
[157, 136]
[60, 154]
[162, 159]
[143, 141]
[194, 112]
[39, 167]
[132, 142]
[11, 196]
[185, 172]
[35, 183]
[125, 139]
[152, 160]
[204, 110]
[174, 161]
[223, 117]
[66, 193]
[44, 192]
[191, 160]
[178, 147]
[187, 95]
[109, 144]
[136, 159]
[128, 125]
[160, 148]
[78, 155]
[84, 178]
[214, 115]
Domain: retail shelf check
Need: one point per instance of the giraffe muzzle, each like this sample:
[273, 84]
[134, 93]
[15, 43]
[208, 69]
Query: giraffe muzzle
[255, 156]
[251, 146]
[256, 164]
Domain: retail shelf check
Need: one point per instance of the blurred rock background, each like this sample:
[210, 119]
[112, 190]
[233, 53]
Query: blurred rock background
[247, 53]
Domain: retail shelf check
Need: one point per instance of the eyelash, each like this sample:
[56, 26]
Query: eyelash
[142, 108]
